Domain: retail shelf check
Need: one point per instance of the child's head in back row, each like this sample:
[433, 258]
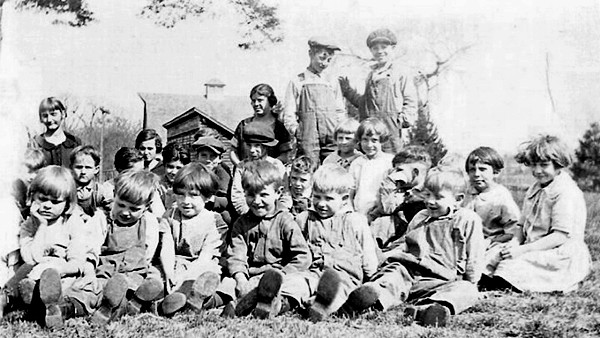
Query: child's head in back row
[128, 158]
[174, 158]
[483, 165]
[370, 136]
[134, 190]
[331, 189]
[444, 190]
[193, 185]
[52, 193]
[301, 171]
[85, 164]
[546, 155]
[263, 184]
[344, 137]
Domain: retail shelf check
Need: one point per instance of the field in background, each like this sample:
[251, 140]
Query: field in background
[498, 314]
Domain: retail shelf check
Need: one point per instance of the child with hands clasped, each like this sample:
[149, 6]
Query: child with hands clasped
[193, 241]
[266, 243]
[491, 201]
[547, 252]
[370, 169]
[438, 267]
[54, 249]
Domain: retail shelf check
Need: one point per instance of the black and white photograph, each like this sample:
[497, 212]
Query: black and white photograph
[269, 168]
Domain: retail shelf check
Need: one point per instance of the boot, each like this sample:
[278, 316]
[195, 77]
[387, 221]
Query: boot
[204, 286]
[113, 295]
[268, 301]
[50, 293]
[327, 290]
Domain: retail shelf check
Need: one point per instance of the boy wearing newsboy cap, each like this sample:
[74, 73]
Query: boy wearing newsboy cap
[390, 93]
[314, 104]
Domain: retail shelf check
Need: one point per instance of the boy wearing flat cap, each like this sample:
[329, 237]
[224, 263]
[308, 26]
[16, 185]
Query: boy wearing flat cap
[314, 104]
[390, 93]
[210, 153]
[258, 140]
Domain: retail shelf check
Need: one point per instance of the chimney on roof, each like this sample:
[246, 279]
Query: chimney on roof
[214, 90]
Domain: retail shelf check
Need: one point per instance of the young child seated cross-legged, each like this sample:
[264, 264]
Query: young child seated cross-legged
[126, 282]
[547, 252]
[341, 243]
[193, 242]
[266, 241]
[399, 195]
[491, 201]
[437, 269]
[54, 250]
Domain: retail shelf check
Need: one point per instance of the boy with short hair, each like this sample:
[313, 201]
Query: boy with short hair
[390, 94]
[314, 104]
[126, 281]
[264, 239]
[341, 244]
[300, 184]
[440, 263]
[257, 139]
[346, 144]
[399, 198]
[91, 195]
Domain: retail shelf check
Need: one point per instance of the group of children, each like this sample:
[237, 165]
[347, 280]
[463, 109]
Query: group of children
[345, 220]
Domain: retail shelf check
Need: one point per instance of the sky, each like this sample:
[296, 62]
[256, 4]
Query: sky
[496, 93]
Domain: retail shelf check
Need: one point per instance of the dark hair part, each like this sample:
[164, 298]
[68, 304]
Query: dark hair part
[265, 90]
[485, 155]
[149, 134]
[175, 152]
[545, 148]
[126, 157]
[85, 150]
[303, 165]
[258, 174]
[52, 104]
[196, 176]
[412, 154]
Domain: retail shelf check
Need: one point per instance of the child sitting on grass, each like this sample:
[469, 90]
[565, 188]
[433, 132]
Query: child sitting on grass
[346, 144]
[54, 250]
[370, 169]
[341, 244]
[91, 195]
[301, 171]
[547, 252]
[193, 242]
[399, 195]
[437, 268]
[257, 140]
[263, 240]
[491, 201]
[126, 282]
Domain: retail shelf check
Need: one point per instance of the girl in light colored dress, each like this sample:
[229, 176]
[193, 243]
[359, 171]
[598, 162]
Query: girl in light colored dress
[547, 252]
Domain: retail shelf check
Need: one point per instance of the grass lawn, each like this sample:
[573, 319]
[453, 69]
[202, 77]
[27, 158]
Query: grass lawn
[498, 314]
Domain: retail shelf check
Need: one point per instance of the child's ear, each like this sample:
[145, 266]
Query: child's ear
[96, 170]
[460, 197]
[346, 197]
[279, 190]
